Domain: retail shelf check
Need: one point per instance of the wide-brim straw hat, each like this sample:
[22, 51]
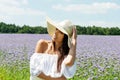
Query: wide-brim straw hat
[65, 26]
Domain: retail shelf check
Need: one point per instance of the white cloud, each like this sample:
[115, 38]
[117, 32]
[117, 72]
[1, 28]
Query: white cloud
[13, 10]
[105, 23]
[12, 2]
[99, 23]
[16, 7]
[3, 18]
[67, 0]
[25, 2]
[88, 8]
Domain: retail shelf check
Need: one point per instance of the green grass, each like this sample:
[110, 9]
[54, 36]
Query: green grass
[13, 73]
[14, 70]
[19, 70]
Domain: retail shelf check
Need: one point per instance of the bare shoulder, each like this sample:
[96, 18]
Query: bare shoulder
[41, 46]
[42, 42]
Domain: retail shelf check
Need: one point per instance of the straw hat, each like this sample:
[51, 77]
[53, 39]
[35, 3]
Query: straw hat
[65, 26]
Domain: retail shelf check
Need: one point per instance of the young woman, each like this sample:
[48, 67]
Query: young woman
[55, 59]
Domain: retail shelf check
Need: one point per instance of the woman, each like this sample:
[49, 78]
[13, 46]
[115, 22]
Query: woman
[55, 59]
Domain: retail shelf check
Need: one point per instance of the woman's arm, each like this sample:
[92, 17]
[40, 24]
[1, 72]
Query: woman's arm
[72, 52]
[43, 76]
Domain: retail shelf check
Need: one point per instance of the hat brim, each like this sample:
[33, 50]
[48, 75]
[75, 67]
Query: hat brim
[51, 27]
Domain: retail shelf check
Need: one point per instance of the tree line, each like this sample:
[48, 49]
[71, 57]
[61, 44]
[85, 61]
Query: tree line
[94, 30]
[12, 28]
[89, 30]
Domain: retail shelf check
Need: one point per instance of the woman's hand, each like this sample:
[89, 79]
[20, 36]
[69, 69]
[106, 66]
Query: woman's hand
[44, 77]
[70, 59]
[74, 37]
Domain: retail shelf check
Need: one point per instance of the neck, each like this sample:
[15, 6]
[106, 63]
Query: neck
[57, 45]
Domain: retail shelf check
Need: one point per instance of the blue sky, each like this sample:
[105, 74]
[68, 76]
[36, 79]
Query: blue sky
[105, 13]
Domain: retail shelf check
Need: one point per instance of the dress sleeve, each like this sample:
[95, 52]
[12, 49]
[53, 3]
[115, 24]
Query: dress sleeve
[69, 71]
[36, 65]
[43, 63]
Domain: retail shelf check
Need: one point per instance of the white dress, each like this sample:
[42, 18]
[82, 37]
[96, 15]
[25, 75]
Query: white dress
[47, 64]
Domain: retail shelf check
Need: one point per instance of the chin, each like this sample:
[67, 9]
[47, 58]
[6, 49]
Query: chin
[53, 40]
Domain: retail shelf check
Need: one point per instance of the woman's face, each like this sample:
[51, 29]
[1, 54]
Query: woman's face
[58, 36]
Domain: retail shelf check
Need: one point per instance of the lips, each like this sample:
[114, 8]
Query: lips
[54, 36]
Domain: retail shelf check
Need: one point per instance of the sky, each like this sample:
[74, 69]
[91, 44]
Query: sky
[104, 13]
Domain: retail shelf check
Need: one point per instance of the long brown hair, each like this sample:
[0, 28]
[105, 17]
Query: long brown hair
[64, 50]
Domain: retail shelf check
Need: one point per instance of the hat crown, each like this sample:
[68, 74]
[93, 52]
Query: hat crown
[67, 26]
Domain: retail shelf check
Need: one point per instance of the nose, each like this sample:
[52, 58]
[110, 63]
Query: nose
[55, 33]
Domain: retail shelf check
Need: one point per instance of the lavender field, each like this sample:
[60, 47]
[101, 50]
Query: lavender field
[98, 57]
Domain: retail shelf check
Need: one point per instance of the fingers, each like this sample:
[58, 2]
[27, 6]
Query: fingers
[74, 36]
[74, 32]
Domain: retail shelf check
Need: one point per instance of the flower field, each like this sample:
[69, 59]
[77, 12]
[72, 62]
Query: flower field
[98, 57]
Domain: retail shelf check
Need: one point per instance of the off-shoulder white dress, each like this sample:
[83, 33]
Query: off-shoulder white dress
[47, 64]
